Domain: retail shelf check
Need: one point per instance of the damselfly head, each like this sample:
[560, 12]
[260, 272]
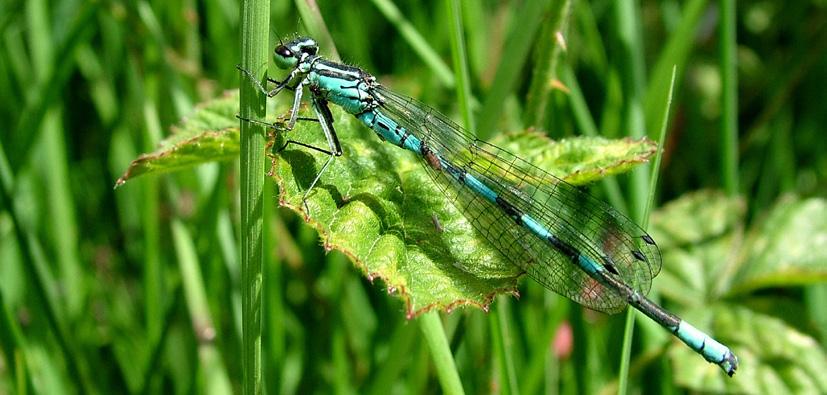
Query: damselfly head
[288, 55]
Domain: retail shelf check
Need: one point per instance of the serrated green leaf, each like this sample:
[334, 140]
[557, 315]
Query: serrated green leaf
[787, 248]
[210, 134]
[578, 160]
[775, 358]
[378, 205]
[210, 146]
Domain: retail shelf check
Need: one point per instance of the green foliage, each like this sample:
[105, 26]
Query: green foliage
[138, 290]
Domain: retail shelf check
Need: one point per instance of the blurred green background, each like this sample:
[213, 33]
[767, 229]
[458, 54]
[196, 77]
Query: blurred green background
[137, 290]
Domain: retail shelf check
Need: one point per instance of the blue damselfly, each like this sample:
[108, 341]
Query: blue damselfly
[562, 237]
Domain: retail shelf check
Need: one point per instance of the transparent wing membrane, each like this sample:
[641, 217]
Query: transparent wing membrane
[590, 226]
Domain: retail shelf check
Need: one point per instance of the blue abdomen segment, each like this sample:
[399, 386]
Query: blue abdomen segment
[709, 348]
[585, 263]
[389, 130]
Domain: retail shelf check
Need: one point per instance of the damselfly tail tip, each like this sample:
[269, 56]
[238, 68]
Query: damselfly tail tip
[729, 364]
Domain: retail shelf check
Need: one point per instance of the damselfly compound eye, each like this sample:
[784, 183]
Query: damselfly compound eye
[283, 51]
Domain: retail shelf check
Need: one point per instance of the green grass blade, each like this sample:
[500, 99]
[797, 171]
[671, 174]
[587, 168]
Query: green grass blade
[460, 63]
[32, 114]
[676, 53]
[443, 360]
[14, 349]
[633, 80]
[214, 375]
[255, 22]
[653, 178]
[501, 341]
[316, 27]
[517, 47]
[418, 43]
[390, 370]
[628, 328]
[548, 51]
[626, 351]
[52, 164]
[729, 98]
[35, 264]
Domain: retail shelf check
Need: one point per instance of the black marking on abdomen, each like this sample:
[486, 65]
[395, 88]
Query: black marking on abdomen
[457, 172]
[404, 136]
[383, 126]
[372, 120]
[510, 210]
[564, 247]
